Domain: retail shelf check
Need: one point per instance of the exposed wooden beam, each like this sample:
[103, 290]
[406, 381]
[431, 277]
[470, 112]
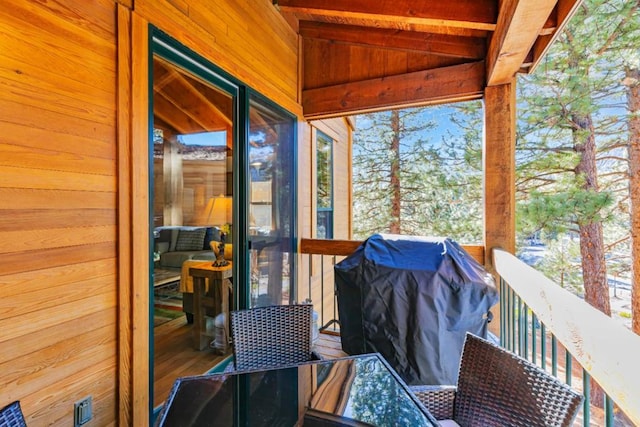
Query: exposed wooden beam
[455, 83]
[563, 13]
[519, 24]
[392, 25]
[474, 14]
[187, 104]
[437, 44]
[172, 115]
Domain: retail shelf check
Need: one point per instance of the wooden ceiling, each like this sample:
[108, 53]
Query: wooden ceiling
[367, 55]
[183, 105]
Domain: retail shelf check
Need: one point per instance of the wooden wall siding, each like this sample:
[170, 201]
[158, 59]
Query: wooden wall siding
[247, 38]
[58, 268]
[339, 130]
[313, 268]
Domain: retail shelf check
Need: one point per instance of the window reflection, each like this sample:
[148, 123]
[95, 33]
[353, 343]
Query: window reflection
[271, 204]
[191, 184]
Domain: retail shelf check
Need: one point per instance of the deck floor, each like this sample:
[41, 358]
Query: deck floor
[174, 355]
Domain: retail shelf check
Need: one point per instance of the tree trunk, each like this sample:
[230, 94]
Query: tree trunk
[594, 272]
[632, 81]
[394, 226]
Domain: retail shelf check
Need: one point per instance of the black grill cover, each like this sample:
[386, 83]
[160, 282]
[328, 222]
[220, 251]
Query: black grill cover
[412, 299]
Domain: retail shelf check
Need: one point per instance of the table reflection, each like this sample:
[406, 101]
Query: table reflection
[360, 391]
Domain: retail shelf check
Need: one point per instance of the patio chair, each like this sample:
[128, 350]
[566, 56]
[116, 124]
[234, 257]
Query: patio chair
[265, 337]
[498, 388]
[11, 416]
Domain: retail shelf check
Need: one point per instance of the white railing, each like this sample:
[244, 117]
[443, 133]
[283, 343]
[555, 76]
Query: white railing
[606, 350]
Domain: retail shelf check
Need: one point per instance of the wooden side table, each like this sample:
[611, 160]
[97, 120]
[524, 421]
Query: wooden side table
[217, 298]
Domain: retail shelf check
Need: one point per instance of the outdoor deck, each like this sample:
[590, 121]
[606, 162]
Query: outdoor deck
[176, 357]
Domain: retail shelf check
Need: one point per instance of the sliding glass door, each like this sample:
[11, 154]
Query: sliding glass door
[271, 180]
[192, 152]
[222, 175]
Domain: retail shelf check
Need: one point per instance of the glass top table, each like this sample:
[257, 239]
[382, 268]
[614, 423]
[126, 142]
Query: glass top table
[352, 391]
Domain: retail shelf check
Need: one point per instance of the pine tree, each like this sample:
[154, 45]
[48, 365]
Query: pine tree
[623, 50]
[569, 142]
[407, 181]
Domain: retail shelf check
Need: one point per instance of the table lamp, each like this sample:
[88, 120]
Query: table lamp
[218, 212]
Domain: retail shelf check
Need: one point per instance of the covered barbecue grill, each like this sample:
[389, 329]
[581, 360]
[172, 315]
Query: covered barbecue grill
[413, 299]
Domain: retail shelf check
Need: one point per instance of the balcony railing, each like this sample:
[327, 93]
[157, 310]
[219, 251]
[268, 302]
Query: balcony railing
[554, 328]
[539, 320]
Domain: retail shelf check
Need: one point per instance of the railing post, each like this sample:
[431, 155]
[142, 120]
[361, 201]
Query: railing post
[608, 411]
[526, 332]
[543, 346]
[554, 355]
[513, 321]
[586, 391]
[534, 334]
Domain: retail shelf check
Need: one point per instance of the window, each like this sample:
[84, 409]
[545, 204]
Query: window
[271, 203]
[324, 210]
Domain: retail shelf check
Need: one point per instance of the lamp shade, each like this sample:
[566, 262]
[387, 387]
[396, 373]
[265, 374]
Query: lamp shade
[217, 211]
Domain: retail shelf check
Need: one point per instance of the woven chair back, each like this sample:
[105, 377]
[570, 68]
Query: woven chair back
[265, 337]
[11, 416]
[499, 388]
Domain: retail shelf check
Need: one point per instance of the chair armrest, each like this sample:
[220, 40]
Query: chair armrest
[438, 399]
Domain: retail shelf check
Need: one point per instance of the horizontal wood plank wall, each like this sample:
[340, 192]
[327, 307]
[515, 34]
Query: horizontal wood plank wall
[247, 38]
[58, 265]
[340, 132]
[313, 269]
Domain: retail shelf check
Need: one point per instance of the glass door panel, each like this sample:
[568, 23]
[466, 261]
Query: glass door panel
[191, 185]
[271, 204]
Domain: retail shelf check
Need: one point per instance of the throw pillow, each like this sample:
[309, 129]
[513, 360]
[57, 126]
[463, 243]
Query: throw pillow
[190, 240]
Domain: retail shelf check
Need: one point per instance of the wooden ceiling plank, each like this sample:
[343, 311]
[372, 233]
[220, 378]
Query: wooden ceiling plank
[437, 44]
[188, 103]
[177, 93]
[162, 75]
[474, 14]
[447, 84]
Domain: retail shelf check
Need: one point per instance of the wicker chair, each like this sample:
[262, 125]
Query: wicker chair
[266, 337]
[11, 416]
[498, 388]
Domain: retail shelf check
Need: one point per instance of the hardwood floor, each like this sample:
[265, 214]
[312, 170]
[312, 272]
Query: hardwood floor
[175, 356]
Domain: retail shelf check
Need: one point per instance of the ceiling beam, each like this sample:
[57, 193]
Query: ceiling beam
[519, 24]
[174, 116]
[437, 44]
[474, 14]
[563, 13]
[446, 84]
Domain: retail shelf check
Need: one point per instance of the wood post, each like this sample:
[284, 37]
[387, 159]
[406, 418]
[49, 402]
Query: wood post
[499, 176]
